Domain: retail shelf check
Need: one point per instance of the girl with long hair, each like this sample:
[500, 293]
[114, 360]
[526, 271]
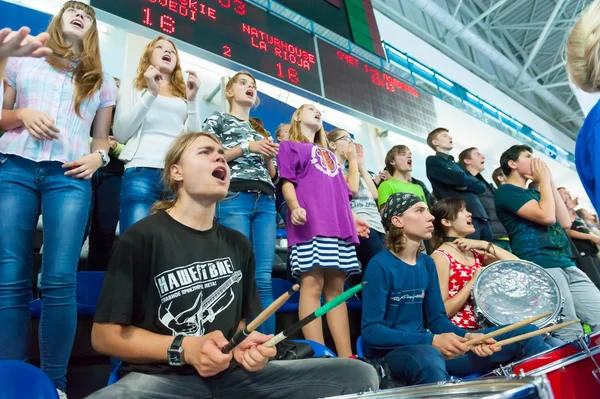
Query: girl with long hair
[45, 163]
[459, 260]
[152, 112]
[320, 229]
[250, 205]
[364, 192]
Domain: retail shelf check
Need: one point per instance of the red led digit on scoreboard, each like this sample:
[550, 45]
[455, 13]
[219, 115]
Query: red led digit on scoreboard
[238, 6]
[227, 51]
[292, 74]
[146, 20]
[167, 24]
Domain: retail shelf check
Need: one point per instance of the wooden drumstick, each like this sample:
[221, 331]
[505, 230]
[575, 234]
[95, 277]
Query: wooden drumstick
[264, 315]
[503, 330]
[536, 333]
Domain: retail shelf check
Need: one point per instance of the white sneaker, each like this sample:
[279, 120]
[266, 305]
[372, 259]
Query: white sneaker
[61, 394]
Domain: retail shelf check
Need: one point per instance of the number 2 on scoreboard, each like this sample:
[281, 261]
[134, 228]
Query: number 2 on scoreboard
[227, 51]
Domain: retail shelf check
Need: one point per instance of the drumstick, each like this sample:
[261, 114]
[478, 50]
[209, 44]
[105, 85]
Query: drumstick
[343, 297]
[264, 315]
[536, 333]
[476, 340]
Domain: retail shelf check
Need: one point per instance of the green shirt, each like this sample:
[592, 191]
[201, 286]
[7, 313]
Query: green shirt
[393, 186]
[547, 246]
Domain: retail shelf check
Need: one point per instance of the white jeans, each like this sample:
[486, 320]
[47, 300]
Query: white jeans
[582, 300]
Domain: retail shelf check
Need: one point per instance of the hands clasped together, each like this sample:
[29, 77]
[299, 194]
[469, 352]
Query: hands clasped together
[204, 353]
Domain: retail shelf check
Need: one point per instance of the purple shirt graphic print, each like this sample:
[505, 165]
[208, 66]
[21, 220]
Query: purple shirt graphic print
[321, 190]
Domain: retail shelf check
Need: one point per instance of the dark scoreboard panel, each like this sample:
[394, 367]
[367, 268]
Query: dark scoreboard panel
[233, 29]
[366, 88]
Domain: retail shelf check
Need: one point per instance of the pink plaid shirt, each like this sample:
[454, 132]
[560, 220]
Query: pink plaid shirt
[45, 89]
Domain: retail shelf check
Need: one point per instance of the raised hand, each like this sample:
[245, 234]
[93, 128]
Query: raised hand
[192, 86]
[153, 78]
[21, 44]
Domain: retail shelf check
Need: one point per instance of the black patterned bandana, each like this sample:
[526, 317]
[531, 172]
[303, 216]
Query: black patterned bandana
[396, 205]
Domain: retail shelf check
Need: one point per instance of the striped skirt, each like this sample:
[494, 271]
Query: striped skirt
[325, 252]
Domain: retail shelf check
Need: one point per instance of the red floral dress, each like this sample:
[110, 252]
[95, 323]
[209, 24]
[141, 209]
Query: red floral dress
[460, 275]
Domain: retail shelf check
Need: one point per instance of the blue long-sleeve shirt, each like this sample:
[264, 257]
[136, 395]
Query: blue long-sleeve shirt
[587, 159]
[449, 180]
[402, 303]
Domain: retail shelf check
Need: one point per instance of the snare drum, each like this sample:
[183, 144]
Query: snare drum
[526, 388]
[569, 368]
[508, 291]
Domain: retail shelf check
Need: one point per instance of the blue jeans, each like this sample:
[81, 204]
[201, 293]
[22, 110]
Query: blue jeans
[104, 217]
[424, 364]
[140, 189]
[253, 214]
[25, 186]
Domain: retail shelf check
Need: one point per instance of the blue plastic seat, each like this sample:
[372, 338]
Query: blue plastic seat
[281, 233]
[114, 374]
[280, 286]
[20, 380]
[89, 286]
[320, 350]
[361, 347]
[353, 303]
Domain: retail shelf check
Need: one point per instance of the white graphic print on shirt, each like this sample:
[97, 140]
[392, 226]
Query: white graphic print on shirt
[194, 294]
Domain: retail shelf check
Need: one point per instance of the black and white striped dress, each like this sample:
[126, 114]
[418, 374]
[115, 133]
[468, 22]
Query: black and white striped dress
[324, 252]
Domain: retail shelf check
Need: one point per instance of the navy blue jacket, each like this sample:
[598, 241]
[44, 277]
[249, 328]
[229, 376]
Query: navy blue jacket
[450, 180]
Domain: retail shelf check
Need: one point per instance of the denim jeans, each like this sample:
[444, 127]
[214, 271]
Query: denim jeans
[104, 217]
[424, 364]
[140, 189]
[25, 186]
[253, 214]
[290, 379]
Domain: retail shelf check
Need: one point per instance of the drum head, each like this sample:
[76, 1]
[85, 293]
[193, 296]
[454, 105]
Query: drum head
[509, 291]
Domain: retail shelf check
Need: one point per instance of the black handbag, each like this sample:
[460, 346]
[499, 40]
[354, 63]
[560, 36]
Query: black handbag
[290, 350]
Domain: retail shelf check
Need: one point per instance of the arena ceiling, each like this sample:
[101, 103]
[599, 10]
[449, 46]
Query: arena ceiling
[516, 45]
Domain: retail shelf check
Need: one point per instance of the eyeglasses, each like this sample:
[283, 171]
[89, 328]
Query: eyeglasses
[346, 138]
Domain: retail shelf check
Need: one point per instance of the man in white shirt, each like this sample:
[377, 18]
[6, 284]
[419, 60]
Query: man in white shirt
[20, 44]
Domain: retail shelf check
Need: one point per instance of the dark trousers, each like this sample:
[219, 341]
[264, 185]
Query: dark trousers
[369, 247]
[424, 364]
[291, 379]
[590, 265]
[483, 230]
[104, 216]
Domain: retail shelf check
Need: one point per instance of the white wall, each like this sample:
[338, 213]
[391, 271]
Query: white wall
[405, 41]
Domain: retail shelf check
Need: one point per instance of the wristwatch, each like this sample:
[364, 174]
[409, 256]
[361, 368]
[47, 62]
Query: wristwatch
[105, 157]
[175, 352]
[245, 146]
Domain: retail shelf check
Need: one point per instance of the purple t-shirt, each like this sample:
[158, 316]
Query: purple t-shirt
[321, 190]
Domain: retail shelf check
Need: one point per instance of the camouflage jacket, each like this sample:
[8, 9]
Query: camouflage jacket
[232, 132]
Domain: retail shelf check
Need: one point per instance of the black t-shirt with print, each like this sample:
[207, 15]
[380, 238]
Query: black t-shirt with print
[170, 279]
